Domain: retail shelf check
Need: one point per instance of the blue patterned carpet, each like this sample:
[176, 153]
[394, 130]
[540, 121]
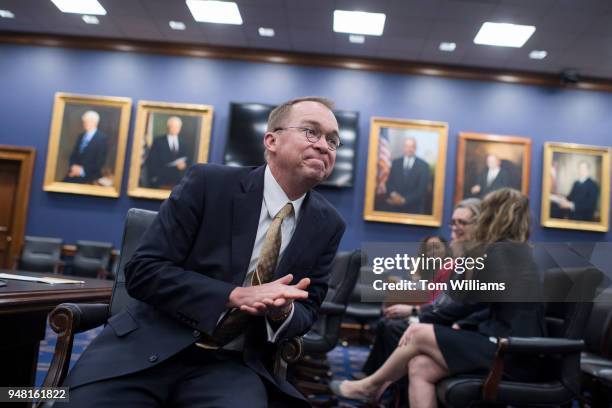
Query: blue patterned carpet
[47, 346]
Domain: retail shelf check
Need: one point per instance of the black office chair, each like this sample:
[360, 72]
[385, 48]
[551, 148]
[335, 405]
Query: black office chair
[324, 334]
[566, 322]
[364, 313]
[40, 254]
[596, 360]
[91, 259]
[68, 319]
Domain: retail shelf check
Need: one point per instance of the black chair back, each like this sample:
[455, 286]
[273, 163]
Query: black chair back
[136, 224]
[91, 258]
[325, 331]
[569, 293]
[40, 254]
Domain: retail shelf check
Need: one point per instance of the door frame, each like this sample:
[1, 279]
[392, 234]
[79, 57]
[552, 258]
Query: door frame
[25, 156]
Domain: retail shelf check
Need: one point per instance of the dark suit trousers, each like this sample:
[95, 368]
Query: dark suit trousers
[193, 378]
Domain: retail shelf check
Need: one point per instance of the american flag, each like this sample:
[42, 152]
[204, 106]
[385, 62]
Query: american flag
[384, 161]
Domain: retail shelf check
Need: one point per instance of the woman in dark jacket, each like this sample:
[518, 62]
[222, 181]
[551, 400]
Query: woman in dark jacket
[430, 352]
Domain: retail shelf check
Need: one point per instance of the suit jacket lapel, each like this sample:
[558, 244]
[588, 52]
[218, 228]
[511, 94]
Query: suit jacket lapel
[306, 230]
[245, 219]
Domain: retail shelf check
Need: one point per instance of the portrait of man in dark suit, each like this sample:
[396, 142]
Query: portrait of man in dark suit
[168, 157]
[89, 152]
[408, 182]
[493, 177]
[581, 202]
[237, 259]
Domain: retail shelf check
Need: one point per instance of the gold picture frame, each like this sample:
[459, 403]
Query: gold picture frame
[155, 167]
[82, 162]
[571, 176]
[411, 190]
[477, 153]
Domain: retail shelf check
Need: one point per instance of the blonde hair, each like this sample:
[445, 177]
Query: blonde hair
[504, 216]
[278, 114]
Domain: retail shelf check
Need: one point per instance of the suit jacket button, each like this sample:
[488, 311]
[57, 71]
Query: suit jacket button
[153, 358]
[196, 333]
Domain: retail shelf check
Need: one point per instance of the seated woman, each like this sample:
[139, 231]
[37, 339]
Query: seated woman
[430, 352]
[396, 313]
[391, 327]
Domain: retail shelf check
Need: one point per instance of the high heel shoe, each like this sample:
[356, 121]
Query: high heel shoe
[335, 385]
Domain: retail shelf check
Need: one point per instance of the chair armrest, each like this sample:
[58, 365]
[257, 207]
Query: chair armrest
[331, 308]
[524, 345]
[288, 351]
[543, 345]
[66, 320]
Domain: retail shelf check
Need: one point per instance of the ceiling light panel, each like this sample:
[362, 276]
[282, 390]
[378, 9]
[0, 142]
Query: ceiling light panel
[447, 46]
[219, 12]
[359, 22]
[504, 34]
[91, 7]
[266, 32]
[538, 54]
[177, 25]
[6, 14]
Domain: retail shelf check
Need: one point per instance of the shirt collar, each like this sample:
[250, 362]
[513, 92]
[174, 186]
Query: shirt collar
[583, 179]
[90, 134]
[275, 198]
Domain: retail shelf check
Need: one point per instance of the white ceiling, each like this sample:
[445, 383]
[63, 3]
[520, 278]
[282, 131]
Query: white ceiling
[577, 34]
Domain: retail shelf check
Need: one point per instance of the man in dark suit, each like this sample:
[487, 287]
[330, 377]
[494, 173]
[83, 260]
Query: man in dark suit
[581, 202]
[408, 181]
[494, 177]
[168, 157]
[237, 259]
[89, 152]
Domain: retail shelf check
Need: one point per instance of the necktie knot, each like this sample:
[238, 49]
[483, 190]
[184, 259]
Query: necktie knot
[284, 212]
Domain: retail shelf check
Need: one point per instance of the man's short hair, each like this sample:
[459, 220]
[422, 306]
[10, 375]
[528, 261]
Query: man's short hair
[175, 118]
[93, 114]
[278, 114]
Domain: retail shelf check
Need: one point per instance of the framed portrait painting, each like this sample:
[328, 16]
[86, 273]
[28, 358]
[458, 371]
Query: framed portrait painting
[87, 144]
[576, 187]
[168, 138]
[488, 162]
[406, 168]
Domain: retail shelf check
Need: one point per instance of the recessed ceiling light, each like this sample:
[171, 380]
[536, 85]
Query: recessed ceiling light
[6, 14]
[210, 11]
[80, 7]
[538, 54]
[504, 34]
[359, 22]
[357, 39]
[177, 25]
[91, 19]
[447, 46]
[266, 32]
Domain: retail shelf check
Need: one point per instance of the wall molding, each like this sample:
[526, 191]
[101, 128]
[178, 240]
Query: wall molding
[294, 58]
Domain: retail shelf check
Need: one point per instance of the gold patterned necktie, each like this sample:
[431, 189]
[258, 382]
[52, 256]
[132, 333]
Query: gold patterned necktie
[234, 322]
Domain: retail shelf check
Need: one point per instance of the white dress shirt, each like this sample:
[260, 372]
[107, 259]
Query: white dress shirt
[491, 175]
[274, 199]
[408, 162]
[173, 142]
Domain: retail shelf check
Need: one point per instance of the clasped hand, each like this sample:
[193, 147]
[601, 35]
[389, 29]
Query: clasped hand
[272, 297]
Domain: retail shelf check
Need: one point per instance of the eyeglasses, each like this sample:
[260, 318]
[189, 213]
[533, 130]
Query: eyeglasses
[313, 136]
[457, 222]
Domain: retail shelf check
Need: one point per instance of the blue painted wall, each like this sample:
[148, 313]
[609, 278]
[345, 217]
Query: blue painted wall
[29, 77]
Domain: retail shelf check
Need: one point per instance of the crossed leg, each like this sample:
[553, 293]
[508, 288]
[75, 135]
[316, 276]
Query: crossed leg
[418, 341]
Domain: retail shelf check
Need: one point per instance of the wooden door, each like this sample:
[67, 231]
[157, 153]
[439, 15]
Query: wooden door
[16, 166]
[9, 177]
